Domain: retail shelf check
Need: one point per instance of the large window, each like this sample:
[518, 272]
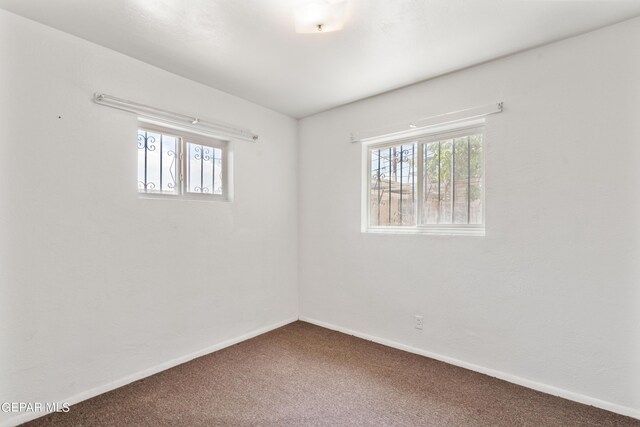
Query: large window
[432, 184]
[177, 164]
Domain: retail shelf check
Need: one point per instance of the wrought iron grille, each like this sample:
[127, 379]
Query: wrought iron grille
[453, 181]
[157, 165]
[393, 185]
[176, 165]
[204, 169]
[447, 173]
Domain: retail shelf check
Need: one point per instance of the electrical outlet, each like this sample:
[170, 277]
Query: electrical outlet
[417, 320]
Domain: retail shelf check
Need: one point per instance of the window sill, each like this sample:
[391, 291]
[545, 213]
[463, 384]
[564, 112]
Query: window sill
[185, 197]
[433, 231]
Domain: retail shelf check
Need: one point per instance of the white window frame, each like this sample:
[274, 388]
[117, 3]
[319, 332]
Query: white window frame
[422, 137]
[182, 139]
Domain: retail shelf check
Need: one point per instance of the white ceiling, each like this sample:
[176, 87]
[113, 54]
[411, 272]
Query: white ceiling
[249, 47]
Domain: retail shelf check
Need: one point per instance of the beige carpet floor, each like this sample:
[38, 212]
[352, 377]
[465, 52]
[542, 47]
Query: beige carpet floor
[304, 375]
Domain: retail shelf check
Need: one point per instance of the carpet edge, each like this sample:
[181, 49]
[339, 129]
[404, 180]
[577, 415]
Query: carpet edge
[544, 388]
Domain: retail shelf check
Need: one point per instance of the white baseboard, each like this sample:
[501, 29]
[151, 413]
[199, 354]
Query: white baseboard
[545, 388]
[28, 416]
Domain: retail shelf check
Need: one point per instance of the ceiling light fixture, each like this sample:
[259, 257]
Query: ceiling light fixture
[320, 16]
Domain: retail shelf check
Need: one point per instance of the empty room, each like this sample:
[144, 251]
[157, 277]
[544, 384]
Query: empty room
[319, 213]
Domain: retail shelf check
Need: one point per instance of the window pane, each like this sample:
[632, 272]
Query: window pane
[217, 169]
[431, 177]
[157, 166]
[461, 186]
[169, 163]
[204, 169]
[393, 186]
[475, 181]
[453, 181]
[438, 185]
[446, 187]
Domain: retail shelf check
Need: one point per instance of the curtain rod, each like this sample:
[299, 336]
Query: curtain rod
[181, 121]
[417, 127]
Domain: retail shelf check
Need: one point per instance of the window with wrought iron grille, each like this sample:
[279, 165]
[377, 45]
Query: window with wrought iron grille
[179, 164]
[432, 184]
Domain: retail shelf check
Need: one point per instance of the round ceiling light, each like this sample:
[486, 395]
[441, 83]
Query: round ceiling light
[320, 16]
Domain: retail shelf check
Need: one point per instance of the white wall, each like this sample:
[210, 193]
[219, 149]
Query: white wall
[552, 293]
[85, 297]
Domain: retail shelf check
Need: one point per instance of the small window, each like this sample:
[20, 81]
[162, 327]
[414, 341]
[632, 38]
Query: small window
[432, 184]
[177, 164]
